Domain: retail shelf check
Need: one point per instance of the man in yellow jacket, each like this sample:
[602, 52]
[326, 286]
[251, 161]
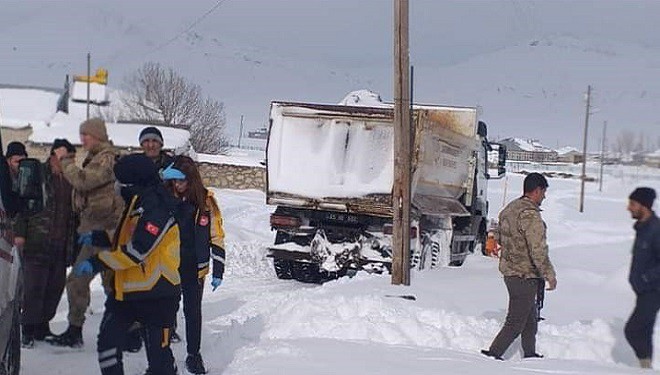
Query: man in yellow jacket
[144, 261]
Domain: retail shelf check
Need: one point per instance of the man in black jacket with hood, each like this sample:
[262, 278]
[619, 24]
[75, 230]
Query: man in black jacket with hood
[144, 260]
[644, 274]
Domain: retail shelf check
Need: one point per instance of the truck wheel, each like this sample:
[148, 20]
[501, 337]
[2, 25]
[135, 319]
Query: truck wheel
[11, 359]
[307, 272]
[283, 268]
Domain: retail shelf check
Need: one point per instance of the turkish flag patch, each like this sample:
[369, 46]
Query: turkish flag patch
[204, 220]
[152, 228]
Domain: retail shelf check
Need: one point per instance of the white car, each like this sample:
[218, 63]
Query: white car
[10, 290]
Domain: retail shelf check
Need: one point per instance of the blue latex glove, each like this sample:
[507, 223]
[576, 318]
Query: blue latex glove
[85, 239]
[216, 282]
[85, 268]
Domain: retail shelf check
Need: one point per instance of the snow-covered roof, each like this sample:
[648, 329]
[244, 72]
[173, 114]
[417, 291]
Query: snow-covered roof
[20, 108]
[655, 154]
[235, 156]
[530, 145]
[121, 134]
[567, 150]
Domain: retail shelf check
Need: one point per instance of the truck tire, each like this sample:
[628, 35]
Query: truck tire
[283, 268]
[307, 272]
[11, 358]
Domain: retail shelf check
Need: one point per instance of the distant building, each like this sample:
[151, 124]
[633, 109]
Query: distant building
[569, 155]
[653, 159]
[528, 150]
[258, 134]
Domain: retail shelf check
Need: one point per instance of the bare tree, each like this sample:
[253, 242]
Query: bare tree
[625, 142]
[158, 94]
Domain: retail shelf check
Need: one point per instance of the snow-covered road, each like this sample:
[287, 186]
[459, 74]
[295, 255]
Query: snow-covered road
[257, 324]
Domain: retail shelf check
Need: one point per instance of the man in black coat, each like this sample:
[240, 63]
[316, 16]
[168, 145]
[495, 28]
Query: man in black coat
[644, 274]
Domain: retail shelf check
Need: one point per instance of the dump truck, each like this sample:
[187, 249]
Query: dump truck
[330, 176]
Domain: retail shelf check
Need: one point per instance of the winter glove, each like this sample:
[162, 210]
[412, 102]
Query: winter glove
[85, 239]
[85, 268]
[216, 282]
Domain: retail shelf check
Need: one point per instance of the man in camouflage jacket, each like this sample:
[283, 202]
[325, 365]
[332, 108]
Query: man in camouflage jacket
[47, 239]
[100, 209]
[525, 264]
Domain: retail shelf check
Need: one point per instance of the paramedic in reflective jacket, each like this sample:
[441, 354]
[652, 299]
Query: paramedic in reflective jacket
[144, 259]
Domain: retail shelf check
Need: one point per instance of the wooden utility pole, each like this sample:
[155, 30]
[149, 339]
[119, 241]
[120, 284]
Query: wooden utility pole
[89, 78]
[602, 157]
[402, 157]
[240, 135]
[584, 148]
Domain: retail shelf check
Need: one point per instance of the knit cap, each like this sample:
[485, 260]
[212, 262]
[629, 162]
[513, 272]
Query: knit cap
[96, 128]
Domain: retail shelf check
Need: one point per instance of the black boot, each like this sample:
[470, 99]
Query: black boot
[194, 364]
[72, 337]
[133, 340]
[533, 355]
[27, 336]
[487, 353]
[42, 332]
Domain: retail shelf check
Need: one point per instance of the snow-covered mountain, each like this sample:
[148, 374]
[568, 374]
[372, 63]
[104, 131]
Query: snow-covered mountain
[526, 64]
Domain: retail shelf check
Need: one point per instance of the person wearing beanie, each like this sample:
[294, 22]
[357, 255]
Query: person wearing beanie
[15, 153]
[151, 141]
[47, 241]
[145, 261]
[100, 209]
[95, 128]
[644, 274]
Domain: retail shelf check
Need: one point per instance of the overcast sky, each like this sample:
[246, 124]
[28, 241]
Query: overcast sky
[352, 38]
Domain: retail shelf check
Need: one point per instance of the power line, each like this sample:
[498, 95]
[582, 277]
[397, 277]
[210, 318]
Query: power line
[196, 22]
[190, 27]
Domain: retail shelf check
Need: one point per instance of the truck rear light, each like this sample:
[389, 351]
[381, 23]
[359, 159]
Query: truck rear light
[284, 221]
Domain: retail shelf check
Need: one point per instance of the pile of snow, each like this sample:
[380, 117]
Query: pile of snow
[20, 108]
[364, 98]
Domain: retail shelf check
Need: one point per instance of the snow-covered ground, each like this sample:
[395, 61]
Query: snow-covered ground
[257, 324]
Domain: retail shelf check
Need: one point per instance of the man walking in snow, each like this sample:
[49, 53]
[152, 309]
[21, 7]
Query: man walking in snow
[524, 263]
[644, 274]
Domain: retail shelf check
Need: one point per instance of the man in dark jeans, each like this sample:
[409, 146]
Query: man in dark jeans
[644, 274]
[525, 265]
